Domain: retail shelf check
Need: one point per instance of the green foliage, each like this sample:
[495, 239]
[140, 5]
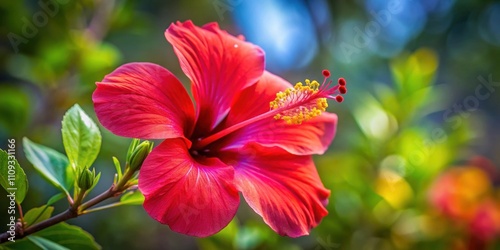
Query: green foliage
[62, 234]
[97, 177]
[81, 138]
[59, 236]
[13, 178]
[55, 198]
[225, 239]
[132, 198]
[37, 214]
[379, 188]
[14, 109]
[118, 168]
[52, 165]
[82, 141]
[45, 244]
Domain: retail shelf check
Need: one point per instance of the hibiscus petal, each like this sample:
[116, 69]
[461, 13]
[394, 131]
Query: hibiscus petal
[219, 66]
[284, 189]
[143, 100]
[255, 99]
[196, 197]
[311, 137]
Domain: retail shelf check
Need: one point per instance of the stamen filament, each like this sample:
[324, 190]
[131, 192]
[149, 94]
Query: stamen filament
[212, 138]
[294, 105]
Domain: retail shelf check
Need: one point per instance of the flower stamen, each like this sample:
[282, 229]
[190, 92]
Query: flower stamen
[304, 102]
[294, 105]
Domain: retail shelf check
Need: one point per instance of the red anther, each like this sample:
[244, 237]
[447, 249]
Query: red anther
[342, 89]
[342, 82]
[326, 73]
[339, 98]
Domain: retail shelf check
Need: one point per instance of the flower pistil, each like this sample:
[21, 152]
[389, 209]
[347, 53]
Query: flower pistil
[304, 102]
[294, 105]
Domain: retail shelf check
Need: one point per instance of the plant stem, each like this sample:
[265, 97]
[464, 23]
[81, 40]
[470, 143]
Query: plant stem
[71, 212]
[116, 204]
[111, 192]
[78, 199]
[75, 209]
[20, 209]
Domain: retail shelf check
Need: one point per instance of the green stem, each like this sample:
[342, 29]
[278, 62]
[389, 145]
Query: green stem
[21, 216]
[116, 204]
[122, 183]
[79, 199]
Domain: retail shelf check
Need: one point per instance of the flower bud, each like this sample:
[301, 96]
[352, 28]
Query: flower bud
[131, 148]
[139, 154]
[86, 180]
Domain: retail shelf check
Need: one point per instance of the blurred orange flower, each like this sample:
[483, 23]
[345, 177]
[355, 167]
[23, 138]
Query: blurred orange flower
[466, 197]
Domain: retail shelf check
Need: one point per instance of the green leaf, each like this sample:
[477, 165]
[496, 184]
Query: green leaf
[38, 214]
[117, 167]
[96, 180]
[132, 147]
[81, 138]
[63, 234]
[13, 179]
[46, 244]
[224, 239]
[132, 198]
[55, 198]
[14, 109]
[375, 122]
[51, 164]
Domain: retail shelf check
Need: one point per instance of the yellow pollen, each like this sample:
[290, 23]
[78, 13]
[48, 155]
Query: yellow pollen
[299, 103]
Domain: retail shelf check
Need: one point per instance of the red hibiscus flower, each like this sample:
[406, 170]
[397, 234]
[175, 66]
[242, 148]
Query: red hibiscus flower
[230, 141]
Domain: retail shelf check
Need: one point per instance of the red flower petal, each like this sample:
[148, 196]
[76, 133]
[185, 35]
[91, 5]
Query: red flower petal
[255, 99]
[193, 196]
[219, 66]
[311, 137]
[143, 100]
[284, 189]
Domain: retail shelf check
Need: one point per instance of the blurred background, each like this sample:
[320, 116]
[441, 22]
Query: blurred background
[415, 161]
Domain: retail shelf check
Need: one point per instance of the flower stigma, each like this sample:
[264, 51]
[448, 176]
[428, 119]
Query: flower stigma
[294, 105]
[306, 101]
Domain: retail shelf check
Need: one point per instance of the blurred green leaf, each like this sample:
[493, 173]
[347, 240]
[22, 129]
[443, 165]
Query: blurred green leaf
[225, 239]
[45, 244]
[38, 214]
[99, 57]
[132, 198]
[55, 198]
[52, 165]
[13, 178]
[374, 121]
[413, 75]
[14, 109]
[414, 71]
[63, 234]
[348, 204]
[81, 138]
